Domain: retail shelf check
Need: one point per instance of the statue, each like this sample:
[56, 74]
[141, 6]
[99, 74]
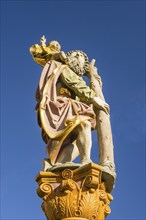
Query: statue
[68, 110]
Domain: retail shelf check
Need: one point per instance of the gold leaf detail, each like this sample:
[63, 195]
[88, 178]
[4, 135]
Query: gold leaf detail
[77, 213]
[107, 210]
[46, 188]
[110, 197]
[67, 174]
[102, 195]
[91, 182]
[67, 185]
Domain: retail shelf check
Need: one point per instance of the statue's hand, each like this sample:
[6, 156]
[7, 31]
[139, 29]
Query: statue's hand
[92, 68]
[63, 55]
[100, 104]
[43, 41]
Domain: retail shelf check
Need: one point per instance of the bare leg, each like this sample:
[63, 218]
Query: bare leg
[68, 154]
[81, 146]
[84, 141]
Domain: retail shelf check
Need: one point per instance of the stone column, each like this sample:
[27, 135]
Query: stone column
[74, 193]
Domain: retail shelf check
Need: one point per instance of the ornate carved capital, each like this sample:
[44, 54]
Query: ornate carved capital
[78, 194]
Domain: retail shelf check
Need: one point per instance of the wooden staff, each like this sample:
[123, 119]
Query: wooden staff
[103, 126]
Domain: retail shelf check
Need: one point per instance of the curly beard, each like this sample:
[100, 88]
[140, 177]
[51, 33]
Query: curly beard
[74, 65]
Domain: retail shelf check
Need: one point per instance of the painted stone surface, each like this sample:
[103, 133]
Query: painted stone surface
[67, 111]
[74, 194]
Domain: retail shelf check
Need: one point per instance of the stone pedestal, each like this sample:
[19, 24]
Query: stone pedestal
[74, 194]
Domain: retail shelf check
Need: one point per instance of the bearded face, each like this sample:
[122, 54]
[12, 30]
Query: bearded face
[76, 62]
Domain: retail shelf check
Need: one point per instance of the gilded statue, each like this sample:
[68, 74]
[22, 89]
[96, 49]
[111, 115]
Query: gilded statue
[68, 109]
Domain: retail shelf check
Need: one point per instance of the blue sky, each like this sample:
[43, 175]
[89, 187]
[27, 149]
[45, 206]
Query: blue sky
[112, 32]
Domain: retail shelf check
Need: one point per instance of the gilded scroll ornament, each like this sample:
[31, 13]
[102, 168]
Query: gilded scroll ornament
[75, 197]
